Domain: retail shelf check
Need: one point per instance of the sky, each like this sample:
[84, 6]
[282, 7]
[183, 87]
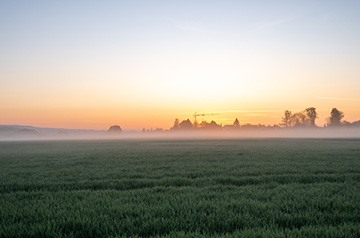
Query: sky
[141, 64]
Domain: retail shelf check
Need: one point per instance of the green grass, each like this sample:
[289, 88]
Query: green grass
[231, 188]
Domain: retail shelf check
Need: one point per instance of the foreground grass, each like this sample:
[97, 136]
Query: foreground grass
[246, 188]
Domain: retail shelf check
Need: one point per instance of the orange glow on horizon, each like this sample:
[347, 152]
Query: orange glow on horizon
[137, 119]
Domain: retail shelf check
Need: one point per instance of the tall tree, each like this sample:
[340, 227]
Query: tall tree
[236, 123]
[335, 117]
[287, 119]
[311, 115]
[298, 120]
[176, 124]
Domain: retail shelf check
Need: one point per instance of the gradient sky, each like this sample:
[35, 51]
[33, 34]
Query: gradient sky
[91, 64]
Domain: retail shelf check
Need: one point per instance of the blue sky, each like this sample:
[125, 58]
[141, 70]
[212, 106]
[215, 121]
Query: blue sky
[131, 26]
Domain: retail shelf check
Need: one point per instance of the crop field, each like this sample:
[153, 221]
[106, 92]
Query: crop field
[180, 188]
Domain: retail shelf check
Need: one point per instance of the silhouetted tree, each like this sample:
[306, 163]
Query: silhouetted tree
[311, 116]
[176, 124]
[335, 117]
[236, 123]
[287, 119]
[115, 129]
[185, 125]
[298, 120]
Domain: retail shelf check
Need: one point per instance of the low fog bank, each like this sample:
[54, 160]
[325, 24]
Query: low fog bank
[257, 133]
[16, 133]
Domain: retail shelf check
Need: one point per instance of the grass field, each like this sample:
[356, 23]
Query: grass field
[230, 188]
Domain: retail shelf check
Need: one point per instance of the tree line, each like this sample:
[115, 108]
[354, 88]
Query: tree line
[303, 119]
[307, 118]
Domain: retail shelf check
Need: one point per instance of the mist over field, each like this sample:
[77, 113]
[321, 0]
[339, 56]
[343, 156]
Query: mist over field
[37, 133]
